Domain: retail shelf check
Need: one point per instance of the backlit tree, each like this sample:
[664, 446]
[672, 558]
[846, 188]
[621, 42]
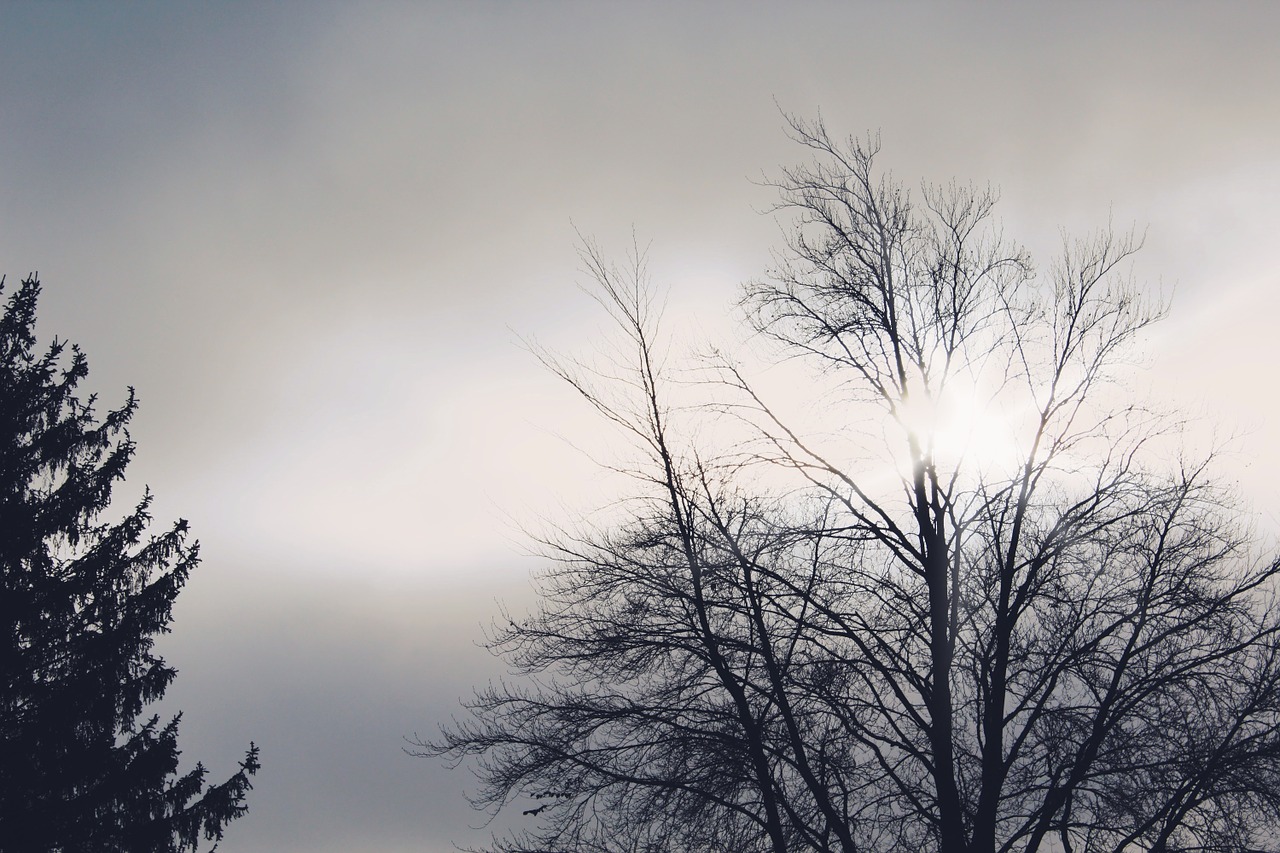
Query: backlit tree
[985, 605]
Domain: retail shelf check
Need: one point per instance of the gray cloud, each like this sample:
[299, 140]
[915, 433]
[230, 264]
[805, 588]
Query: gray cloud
[306, 233]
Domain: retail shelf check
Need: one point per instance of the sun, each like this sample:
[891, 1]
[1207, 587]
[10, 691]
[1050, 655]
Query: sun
[964, 426]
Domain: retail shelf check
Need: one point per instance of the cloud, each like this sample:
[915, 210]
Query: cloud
[307, 232]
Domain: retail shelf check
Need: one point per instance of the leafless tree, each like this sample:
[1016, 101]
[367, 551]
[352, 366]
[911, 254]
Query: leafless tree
[997, 611]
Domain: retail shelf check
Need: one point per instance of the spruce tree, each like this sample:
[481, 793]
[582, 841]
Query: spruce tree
[82, 598]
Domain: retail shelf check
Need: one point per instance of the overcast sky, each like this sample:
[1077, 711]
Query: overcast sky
[311, 236]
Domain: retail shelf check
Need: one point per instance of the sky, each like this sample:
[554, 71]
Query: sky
[313, 237]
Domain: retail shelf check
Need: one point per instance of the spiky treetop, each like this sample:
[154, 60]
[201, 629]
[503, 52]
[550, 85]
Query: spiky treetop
[82, 597]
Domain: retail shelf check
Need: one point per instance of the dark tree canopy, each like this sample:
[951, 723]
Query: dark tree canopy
[82, 598]
[1047, 630]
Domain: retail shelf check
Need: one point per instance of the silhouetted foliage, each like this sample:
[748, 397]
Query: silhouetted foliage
[1044, 630]
[81, 600]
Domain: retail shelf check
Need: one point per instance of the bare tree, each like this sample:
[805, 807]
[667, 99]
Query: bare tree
[994, 616]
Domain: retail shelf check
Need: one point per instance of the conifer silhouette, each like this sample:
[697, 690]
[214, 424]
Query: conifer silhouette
[82, 598]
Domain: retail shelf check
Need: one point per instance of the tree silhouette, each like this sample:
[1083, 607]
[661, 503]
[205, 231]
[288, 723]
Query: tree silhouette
[984, 605]
[81, 600]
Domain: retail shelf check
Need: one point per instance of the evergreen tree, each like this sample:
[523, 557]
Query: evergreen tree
[81, 600]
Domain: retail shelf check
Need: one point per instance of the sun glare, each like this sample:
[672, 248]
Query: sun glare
[963, 427]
